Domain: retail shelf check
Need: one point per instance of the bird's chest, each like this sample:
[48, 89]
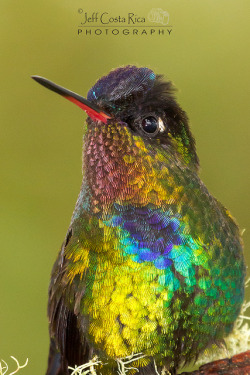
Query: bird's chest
[153, 275]
[129, 306]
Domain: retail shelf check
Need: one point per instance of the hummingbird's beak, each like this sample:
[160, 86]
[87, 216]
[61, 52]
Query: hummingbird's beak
[91, 109]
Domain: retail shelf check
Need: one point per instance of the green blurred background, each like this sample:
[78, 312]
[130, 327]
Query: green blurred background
[207, 57]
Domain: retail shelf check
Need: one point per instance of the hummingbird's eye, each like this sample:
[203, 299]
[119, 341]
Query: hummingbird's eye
[150, 125]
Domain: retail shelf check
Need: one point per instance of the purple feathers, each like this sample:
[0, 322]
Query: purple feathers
[121, 83]
[149, 233]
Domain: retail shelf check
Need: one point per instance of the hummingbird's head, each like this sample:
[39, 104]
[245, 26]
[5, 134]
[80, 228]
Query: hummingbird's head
[140, 100]
[137, 136]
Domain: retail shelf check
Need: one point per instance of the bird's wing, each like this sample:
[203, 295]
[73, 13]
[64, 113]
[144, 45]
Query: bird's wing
[67, 287]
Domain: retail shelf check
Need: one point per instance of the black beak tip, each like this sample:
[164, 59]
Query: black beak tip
[37, 78]
[49, 85]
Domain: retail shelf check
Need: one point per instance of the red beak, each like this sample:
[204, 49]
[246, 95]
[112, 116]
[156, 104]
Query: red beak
[91, 109]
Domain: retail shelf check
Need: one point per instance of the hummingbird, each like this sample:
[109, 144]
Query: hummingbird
[151, 272]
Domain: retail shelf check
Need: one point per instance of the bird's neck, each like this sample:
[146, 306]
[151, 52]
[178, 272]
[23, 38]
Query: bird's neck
[120, 168]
